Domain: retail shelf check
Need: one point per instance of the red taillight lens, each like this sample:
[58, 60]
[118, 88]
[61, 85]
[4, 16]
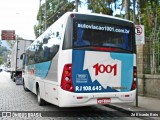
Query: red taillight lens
[66, 83]
[135, 72]
[134, 84]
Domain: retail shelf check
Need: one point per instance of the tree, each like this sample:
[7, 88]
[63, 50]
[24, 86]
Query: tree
[10, 43]
[1, 60]
[2, 50]
[101, 6]
[148, 14]
[127, 9]
[53, 9]
[129, 6]
[3, 54]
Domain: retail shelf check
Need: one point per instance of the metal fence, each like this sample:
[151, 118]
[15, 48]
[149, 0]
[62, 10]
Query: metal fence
[148, 55]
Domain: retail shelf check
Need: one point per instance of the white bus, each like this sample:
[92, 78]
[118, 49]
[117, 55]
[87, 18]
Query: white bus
[81, 60]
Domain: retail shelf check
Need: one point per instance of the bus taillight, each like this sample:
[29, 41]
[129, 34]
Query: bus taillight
[134, 84]
[66, 83]
[135, 72]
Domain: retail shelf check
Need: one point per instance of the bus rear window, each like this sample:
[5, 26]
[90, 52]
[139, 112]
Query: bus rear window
[94, 34]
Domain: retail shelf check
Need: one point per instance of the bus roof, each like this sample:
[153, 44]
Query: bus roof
[96, 14]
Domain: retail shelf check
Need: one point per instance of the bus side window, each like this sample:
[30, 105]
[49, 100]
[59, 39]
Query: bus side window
[51, 48]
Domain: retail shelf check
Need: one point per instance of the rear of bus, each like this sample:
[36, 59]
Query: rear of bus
[97, 62]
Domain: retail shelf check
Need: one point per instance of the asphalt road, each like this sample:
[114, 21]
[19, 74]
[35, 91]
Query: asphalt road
[17, 104]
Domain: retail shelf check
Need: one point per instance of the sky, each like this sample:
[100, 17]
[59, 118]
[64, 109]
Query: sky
[19, 15]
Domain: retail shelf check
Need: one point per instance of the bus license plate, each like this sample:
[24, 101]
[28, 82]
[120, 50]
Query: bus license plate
[103, 100]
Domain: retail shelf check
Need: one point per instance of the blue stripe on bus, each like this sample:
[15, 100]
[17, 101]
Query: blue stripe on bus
[126, 69]
[42, 69]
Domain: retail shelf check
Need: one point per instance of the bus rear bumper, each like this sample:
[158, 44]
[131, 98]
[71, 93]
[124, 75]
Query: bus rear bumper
[69, 99]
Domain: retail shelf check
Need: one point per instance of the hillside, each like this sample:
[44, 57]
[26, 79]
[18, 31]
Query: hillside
[4, 54]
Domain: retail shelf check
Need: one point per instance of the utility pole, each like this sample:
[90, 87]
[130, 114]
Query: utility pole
[155, 37]
[40, 22]
[45, 24]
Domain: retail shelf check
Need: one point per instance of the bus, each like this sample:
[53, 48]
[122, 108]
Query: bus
[81, 60]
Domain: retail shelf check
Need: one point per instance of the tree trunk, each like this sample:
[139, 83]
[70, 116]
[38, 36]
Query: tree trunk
[127, 10]
[134, 17]
[76, 6]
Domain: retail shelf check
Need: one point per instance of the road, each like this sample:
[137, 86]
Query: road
[15, 100]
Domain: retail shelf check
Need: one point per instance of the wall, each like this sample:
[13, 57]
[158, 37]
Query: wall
[149, 85]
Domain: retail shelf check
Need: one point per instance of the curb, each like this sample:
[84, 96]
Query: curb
[119, 108]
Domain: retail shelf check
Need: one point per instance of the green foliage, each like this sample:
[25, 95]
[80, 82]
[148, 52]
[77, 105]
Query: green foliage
[2, 50]
[10, 43]
[148, 14]
[3, 54]
[1, 60]
[54, 9]
[101, 6]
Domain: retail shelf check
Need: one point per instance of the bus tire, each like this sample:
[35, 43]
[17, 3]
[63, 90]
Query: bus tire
[24, 86]
[41, 102]
[11, 75]
[14, 79]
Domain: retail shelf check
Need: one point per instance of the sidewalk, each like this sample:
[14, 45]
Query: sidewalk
[144, 104]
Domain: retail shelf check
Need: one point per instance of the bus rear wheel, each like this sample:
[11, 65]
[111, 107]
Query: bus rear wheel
[41, 102]
[24, 86]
